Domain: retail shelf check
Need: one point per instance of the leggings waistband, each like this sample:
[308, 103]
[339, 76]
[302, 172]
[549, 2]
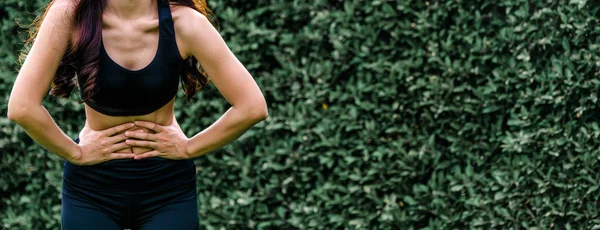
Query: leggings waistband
[129, 175]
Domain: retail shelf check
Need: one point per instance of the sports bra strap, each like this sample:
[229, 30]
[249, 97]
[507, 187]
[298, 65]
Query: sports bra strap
[167, 29]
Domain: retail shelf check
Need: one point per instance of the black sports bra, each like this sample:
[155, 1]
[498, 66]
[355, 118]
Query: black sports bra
[124, 92]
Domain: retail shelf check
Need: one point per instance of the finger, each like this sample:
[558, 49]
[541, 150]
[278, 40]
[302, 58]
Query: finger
[114, 156]
[150, 125]
[117, 138]
[119, 147]
[140, 135]
[117, 129]
[140, 143]
[146, 155]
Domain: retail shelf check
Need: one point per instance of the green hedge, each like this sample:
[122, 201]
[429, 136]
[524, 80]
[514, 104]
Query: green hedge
[383, 115]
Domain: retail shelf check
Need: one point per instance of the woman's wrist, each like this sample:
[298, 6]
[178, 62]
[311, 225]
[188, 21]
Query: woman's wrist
[189, 154]
[74, 155]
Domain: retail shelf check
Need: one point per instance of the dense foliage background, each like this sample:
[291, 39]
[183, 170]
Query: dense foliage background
[383, 115]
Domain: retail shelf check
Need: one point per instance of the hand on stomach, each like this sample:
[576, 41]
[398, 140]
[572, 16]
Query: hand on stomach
[97, 121]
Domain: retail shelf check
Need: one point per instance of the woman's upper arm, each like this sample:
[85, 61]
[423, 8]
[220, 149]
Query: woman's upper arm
[230, 77]
[39, 67]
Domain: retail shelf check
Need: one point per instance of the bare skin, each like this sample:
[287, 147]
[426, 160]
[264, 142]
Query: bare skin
[130, 34]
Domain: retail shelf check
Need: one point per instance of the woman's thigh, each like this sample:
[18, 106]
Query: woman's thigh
[75, 215]
[178, 216]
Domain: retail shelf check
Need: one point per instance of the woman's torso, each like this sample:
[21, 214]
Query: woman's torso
[131, 44]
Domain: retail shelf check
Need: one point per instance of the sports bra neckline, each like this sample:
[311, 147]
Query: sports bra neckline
[114, 63]
[156, 54]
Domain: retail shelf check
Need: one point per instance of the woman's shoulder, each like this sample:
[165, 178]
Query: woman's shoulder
[62, 14]
[189, 25]
[65, 9]
[67, 5]
[184, 16]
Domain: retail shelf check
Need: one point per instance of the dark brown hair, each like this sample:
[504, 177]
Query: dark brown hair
[81, 58]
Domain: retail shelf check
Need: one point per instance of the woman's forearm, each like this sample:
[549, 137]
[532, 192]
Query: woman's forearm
[226, 129]
[39, 125]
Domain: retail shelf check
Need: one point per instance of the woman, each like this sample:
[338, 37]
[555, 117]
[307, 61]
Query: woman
[131, 165]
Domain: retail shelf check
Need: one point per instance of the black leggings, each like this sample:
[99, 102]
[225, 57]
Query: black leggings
[125, 194]
[133, 211]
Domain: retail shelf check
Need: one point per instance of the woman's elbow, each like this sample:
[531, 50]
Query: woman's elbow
[263, 114]
[257, 111]
[16, 113]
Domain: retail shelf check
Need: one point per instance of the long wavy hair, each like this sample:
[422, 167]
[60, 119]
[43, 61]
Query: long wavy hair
[81, 59]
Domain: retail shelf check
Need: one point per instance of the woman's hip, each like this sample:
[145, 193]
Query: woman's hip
[131, 176]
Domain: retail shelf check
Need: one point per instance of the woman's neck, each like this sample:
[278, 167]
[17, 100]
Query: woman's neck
[131, 9]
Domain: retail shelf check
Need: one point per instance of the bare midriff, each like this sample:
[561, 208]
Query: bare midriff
[98, 121]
